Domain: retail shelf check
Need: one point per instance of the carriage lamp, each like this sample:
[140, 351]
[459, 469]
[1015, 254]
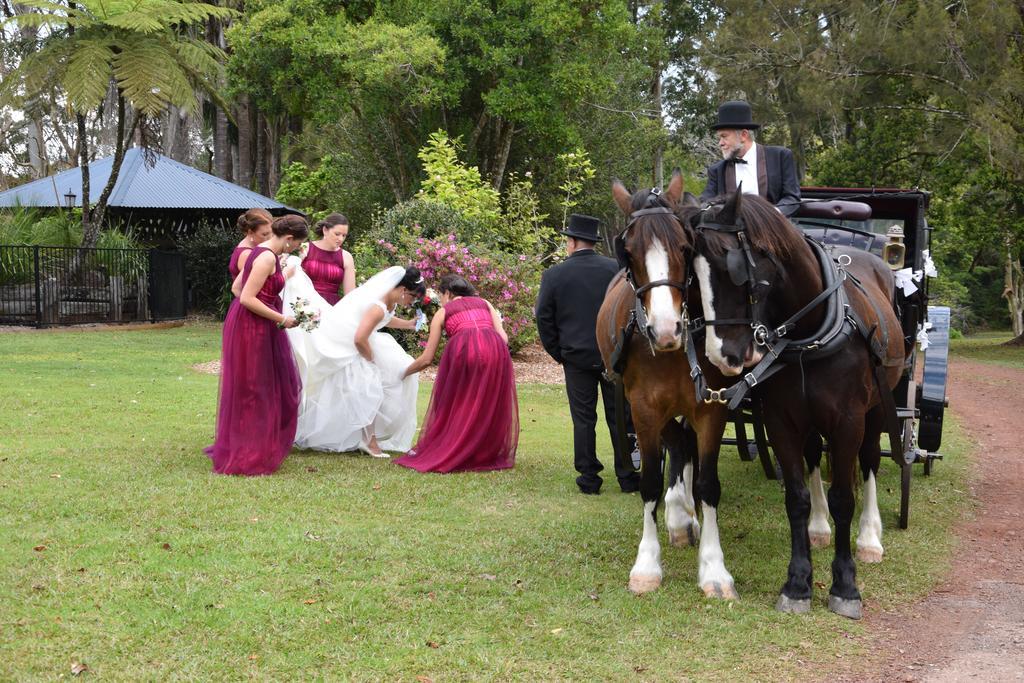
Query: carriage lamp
[69, 199]
[894, 252]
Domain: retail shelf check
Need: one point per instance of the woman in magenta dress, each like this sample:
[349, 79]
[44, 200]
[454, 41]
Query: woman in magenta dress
[255, 225]
[330, 267]
[472, 423]
[259, 392]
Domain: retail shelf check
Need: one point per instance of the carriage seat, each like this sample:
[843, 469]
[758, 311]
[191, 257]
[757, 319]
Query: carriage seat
[833, 208]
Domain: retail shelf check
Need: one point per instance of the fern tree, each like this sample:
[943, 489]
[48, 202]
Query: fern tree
[142, 48]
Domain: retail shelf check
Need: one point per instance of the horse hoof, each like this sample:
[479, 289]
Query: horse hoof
[716, 589]
[791, 606]
[681, 540]
[644, 583]
[821, 540]
[851, 609]
[869, 555]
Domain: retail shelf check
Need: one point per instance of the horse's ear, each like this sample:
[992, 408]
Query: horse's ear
[730, 211]
[690, 199]
[622, 197]
[675, 187]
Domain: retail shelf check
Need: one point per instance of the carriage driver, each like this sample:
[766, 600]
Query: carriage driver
[570, 296]
[767, 171]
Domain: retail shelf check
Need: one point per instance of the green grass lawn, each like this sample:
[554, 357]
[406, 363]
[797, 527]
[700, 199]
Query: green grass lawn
[988, 347]
[121, 550]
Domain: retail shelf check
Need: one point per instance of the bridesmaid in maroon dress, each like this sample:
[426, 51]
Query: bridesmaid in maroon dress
[472, 423]
[255, 224]
[259, 392]
[330, 267]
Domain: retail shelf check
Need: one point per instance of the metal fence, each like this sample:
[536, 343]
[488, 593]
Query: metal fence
[44, 286]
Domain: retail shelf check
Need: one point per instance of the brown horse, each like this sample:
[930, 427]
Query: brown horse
[654, 249]
[760, 282]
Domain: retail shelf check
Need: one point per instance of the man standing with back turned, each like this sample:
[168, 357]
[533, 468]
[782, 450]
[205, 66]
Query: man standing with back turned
[570, 296]
[762, 170]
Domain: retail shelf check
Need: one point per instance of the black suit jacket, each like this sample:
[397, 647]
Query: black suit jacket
[782, 187]
[570, 296]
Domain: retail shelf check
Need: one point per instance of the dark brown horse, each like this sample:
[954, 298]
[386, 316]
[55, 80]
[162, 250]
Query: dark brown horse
[655, 247]
[757, 273]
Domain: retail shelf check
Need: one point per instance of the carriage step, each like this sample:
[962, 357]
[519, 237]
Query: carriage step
[905, 413]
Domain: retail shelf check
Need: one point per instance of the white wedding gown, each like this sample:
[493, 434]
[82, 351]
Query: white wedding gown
[343, 394]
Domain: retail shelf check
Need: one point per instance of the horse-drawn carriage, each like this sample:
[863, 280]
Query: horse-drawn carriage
[807, 331]
[891, 224]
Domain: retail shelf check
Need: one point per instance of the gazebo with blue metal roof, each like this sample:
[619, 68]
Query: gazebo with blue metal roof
[157, 196]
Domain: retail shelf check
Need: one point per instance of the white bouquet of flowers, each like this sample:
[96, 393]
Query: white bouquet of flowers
[307, 317]
[431, 298]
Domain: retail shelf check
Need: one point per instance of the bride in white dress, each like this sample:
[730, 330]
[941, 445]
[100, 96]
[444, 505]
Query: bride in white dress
[353, 391]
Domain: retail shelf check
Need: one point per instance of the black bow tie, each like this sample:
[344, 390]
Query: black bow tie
[735, 160]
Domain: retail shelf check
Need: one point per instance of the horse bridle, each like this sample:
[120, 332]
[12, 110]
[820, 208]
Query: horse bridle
[622, 256]
[741, 266]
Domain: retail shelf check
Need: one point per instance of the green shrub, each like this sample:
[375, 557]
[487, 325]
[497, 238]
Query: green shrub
[206, 268]
[452, 182]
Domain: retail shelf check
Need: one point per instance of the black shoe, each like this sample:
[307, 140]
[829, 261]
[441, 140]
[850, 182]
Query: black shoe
[591, 486]
[590, 491]
[630, 485]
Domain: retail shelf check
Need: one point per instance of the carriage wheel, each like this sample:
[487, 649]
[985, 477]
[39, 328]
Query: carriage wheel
[908, 445]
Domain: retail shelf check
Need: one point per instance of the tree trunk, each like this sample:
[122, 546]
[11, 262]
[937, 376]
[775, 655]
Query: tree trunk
[91, 230]
[262, 180]
[83, 163]
[221, 145]
[501, 157]
[1014, 291]
[243, 116]
[659, 163]
[275, 142]
[176, 134]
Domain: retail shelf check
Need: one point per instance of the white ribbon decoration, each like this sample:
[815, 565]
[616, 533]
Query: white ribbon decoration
[929, 265]
[922, 336]
[906, 279]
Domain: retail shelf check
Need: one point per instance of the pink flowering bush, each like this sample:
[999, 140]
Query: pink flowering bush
[508, 281]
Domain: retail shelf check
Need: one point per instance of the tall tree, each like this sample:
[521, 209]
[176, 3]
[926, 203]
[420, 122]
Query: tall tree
[136, 47]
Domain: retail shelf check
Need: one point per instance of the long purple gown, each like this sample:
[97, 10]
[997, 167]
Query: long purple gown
[472, 423]
[326, 269]
[259, 387]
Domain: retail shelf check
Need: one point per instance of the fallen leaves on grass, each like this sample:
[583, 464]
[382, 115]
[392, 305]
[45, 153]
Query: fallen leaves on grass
[424, 679]
[311, 536]
[39, 548]
[310, 601]
[556, 631]
[488, 577]
[166, 546]
[312, 469]
[376, 487]
[77, 668]
[433, 644]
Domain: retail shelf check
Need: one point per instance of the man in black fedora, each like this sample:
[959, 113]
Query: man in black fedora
[570, 296]
[766, 171]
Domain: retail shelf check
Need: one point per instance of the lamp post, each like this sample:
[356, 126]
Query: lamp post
[69, 200]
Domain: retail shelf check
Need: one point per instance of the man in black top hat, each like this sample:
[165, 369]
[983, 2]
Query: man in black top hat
[767, 171]
[570, 296]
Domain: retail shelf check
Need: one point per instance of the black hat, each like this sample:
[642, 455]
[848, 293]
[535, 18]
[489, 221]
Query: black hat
[735, 114]
[583, 227]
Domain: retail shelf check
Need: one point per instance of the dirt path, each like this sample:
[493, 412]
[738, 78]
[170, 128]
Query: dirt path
[972, 627]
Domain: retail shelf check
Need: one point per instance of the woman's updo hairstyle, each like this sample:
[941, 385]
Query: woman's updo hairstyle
[413, 281]
[252, 219]
[329, 221]
[292, 225]
[456, 285]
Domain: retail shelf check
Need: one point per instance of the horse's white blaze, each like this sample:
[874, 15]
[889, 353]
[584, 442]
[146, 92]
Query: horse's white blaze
[680, 511]
[869, 537]
[712, 561]
[818, 526]
[648, 557]
[662, 315]
[712, 343]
